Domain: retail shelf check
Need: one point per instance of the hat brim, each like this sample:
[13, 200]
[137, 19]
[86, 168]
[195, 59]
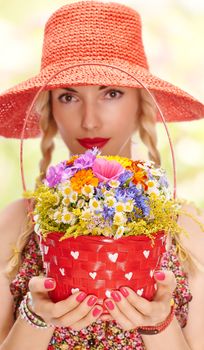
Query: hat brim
[176, 104]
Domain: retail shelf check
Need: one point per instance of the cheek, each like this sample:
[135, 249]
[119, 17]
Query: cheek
[127, 124]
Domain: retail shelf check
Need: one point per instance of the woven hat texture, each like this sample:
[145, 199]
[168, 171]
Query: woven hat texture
[96, 264]
[92, 34]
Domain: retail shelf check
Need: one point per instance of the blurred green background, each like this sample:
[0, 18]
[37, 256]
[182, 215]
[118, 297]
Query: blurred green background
[173, 33]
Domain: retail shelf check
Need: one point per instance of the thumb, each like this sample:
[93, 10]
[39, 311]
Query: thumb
[166, 283]
[41, 284]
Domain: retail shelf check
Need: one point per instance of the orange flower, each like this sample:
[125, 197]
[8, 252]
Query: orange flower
[71, 160]
[82, 178]
[139, 176]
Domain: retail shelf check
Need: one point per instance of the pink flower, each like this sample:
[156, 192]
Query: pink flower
[106, 170]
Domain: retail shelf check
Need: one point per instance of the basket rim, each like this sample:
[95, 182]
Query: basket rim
[57, 235]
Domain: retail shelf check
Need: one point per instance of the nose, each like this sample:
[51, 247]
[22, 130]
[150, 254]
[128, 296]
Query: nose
[90, 117]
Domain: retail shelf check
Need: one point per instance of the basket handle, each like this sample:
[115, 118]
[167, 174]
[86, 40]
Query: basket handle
[28, 112]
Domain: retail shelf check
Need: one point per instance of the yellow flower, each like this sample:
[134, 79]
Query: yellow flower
[88, 191]
[119, 232]
[76, 211]
[129, 206]
[66, 201]
[119, 207]
[67, 217]
[67, 191]
[57, 217]
[107, 231]
[114, 183]
[94, 204]
[119, 219]
[125, 162]
[110, 201]
[86, 214]
[150, 183]
[82, 178]
[73, 197]
[81, 203]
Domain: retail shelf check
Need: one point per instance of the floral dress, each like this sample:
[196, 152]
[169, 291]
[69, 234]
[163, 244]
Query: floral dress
[101, 335]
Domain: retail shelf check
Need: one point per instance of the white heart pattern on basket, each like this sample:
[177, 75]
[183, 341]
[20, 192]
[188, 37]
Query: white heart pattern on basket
[140, 292]
[46, 248]
[113, 257]
[146, 253]
[128, 275]
[151, 273]
[62, 271]
[75, 255]
[74, 290]
[92, 275]
[108, 293]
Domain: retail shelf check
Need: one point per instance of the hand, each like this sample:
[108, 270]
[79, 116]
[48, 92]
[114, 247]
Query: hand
[130, 310]
[77, 311]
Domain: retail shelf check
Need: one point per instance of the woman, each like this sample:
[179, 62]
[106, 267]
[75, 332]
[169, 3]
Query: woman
[96, 102]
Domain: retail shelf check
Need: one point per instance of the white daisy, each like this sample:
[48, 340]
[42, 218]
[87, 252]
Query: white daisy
[119, 219]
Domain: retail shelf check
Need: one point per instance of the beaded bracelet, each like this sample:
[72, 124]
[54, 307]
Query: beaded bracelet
[29, 316]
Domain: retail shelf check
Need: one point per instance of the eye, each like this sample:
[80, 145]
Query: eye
[66, 98]
[115, 93]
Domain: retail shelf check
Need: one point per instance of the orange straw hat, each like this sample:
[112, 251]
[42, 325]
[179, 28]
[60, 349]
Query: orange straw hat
[98, 36]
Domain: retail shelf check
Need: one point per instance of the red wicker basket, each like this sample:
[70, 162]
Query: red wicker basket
[96, 264]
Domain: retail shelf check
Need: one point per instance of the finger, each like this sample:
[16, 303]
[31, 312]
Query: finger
[90, 318]
[76, 313]
[117, 315]
[151, 312]
[154, 310]
[141, 304]
[62, 307]
[106, 317]
[127, 308]
[166, 283]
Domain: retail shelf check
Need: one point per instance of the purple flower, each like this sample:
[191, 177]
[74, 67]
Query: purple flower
[85, 161]
[54, 174]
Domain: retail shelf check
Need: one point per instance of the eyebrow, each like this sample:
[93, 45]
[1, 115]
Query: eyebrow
[70, 89]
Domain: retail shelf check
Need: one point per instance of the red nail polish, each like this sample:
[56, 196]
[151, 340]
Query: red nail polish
[91, 301]
[116, 296]
[49, 283]
[96, 312]
[124, 292]
[109, 305]
[160, 276]
[81, 297]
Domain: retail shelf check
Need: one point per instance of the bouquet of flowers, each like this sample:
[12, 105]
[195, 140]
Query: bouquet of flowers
[102, 222]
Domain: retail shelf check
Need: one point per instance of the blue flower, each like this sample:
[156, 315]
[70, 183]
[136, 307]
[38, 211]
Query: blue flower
[126, 176]
[108, 213]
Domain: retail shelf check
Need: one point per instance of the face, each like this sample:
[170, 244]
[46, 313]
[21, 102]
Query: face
[104, 117]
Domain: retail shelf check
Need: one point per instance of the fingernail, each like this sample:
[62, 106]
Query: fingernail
[91, 301]
[96, 312]
[109, 305]
[124, 292]
[160, 276]
[116, 296]
[81, 297]
[49, 283]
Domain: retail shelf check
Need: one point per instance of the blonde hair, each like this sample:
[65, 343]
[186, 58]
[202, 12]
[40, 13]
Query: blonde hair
[49, 129]
[147, 132]
[147, 125]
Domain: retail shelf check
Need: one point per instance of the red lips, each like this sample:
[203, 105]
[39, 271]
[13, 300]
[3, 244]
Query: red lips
[93, 142]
